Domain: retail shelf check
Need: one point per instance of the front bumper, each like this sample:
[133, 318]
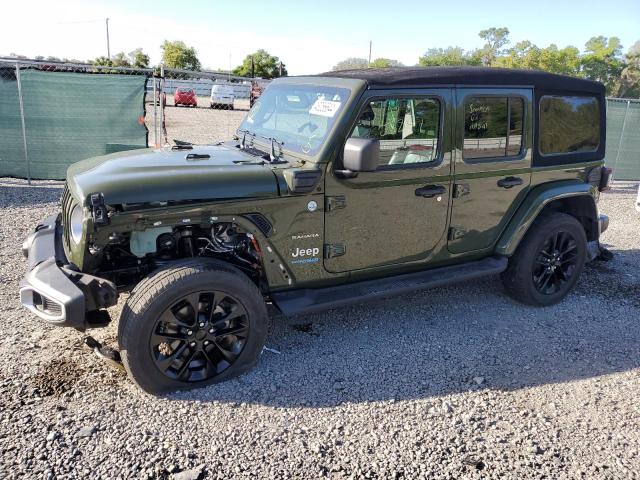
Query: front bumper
[54, 291]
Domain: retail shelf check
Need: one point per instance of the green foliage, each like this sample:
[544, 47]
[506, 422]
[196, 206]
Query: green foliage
[385, 63]
[264, 65]
[602, 61]
[495, 39]
[450, 56]
[351, 63]
[630, 77]
[177, 55]
[139, 59]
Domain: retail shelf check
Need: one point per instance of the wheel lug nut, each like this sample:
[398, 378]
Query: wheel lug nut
[193, 344]
[206, 342]
[211, 330]
[201, 324]
[189, 332]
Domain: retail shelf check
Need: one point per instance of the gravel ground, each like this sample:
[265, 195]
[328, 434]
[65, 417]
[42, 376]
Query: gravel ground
[458, 382]
[199, 125]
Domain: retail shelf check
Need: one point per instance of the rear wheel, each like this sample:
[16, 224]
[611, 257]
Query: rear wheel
[190, 325]
[548, 262]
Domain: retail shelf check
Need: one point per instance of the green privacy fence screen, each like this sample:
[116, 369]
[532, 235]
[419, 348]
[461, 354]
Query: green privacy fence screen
[623, 138]
[68, 116]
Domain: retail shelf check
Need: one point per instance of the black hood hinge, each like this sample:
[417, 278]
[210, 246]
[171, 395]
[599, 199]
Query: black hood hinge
[98, 209]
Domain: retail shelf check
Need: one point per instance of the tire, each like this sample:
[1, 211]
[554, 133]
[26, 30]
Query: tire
[163, 343]
[539, 273]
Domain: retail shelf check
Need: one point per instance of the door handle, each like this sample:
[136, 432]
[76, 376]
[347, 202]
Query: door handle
[430, 191]
[509, 182]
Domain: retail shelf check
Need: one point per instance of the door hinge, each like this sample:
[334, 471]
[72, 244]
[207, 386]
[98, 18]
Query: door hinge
[461, 189]
[334, 203]
[456, 233]
[332, 250]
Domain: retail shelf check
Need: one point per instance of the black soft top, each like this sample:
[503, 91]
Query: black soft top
[417, 76]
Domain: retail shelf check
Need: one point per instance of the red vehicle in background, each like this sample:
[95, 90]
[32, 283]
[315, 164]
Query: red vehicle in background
[185, 96]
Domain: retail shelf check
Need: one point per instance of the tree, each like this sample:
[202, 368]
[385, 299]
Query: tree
[496, 38]
[385, 63]
[178, 55]
[264, 65]
[630, 77]
[602, 61]
[120, 60]
[103, 62]
[139, 59]
[450, 56]
[351, 63]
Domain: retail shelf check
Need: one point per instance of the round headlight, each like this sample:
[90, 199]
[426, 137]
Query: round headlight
[75, 223]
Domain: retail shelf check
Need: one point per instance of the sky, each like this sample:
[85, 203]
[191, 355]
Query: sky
[308, 36]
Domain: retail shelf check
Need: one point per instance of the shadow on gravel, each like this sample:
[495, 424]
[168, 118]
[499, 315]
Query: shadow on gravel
[445, 341]
[20, 194]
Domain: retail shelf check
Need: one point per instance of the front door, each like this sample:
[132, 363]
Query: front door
[492, 165]
[398, 213]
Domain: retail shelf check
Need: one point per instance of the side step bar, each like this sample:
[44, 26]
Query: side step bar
[312, 300]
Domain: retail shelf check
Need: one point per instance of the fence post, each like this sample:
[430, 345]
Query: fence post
[624, 123]
[162, 93]
[24, 129]
[155, 112]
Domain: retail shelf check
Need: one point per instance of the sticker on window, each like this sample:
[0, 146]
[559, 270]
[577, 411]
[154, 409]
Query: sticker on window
[325, 108]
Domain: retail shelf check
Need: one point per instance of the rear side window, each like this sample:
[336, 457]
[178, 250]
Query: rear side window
[493, 127]
[569, 124]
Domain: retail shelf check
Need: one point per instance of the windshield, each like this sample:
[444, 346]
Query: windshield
[298, 116]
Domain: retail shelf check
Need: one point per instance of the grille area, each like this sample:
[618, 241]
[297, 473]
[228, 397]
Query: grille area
[67, 205]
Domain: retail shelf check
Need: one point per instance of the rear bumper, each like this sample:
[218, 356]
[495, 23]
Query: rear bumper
[603, 223]
[55, 292]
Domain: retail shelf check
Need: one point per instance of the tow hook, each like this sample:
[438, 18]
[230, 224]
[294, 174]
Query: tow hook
[111, 356]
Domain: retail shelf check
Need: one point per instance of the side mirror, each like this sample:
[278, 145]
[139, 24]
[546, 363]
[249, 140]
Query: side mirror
[360, 155]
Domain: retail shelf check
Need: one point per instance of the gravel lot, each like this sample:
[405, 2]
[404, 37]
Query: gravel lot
[199, 125]
[458, 382]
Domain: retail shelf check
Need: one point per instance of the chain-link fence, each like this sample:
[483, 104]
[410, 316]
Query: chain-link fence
[54, 114]
[623, 138]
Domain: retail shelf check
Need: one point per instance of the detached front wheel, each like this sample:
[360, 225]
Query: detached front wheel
[195, 323]
[548, 262]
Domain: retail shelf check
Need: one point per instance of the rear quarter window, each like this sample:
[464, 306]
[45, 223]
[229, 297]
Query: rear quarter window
[569, 124]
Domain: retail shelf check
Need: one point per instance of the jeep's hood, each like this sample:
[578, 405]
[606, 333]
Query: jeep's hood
[148, 175]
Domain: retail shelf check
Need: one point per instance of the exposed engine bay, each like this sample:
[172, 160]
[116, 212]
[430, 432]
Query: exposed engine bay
[130, 256]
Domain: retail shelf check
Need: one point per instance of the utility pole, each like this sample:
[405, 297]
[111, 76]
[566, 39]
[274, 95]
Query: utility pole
[108, 46]
[370, 42]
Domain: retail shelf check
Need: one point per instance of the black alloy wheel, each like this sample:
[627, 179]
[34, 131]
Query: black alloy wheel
[199, 336]
[556, 263]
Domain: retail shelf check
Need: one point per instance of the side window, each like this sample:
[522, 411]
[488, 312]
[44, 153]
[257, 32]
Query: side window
[569, 124]
[408, 129]
[493, 127]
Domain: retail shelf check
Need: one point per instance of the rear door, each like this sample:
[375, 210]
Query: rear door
[492, 169]
[396, 214]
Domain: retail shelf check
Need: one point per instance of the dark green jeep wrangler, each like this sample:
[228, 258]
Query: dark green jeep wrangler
[338, 188]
